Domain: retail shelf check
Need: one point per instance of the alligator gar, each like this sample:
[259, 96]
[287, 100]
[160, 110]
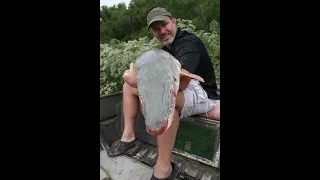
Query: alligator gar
[158, 78]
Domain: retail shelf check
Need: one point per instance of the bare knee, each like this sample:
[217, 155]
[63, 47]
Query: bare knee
[179, 101]
[127, 89]
[216, 111]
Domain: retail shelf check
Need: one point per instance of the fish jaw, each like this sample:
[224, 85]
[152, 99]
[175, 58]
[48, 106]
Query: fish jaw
[169, 118]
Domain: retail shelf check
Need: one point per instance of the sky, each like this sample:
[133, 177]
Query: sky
[113, 2]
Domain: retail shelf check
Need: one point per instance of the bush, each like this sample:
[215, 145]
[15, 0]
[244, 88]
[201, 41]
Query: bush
[116, 56]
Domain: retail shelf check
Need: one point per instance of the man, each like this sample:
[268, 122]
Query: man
[193, 98]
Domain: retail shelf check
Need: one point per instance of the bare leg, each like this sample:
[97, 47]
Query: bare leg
[166, 142]
[130, 112]
[214, 113]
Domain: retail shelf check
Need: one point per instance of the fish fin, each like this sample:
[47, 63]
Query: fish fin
[194, 76]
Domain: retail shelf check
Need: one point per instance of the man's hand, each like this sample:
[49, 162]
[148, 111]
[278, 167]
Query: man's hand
[184, 80]
[129, 77]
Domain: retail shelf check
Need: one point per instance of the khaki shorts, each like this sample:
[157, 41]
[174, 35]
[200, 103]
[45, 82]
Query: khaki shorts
[196, 100]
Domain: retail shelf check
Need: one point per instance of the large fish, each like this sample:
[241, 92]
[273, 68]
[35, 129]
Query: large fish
[158, 77]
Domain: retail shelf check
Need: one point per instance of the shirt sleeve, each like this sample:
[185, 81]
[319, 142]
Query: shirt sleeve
[188, 55]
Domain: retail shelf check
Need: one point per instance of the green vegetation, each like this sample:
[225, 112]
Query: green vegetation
[124, 35]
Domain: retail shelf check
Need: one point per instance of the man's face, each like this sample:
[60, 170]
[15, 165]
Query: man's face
[164, 31]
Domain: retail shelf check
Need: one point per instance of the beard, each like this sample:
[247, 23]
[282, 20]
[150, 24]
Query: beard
[169, 42]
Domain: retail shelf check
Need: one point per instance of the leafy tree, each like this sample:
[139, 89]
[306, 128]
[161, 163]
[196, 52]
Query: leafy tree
[128, 23]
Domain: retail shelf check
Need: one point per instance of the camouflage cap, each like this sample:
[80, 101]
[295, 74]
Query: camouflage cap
[157, 14]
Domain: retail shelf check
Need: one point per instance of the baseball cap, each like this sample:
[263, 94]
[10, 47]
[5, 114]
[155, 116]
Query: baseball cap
[157, 14]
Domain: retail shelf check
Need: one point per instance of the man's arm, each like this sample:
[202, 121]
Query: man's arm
[189, 57]
[184, 81]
